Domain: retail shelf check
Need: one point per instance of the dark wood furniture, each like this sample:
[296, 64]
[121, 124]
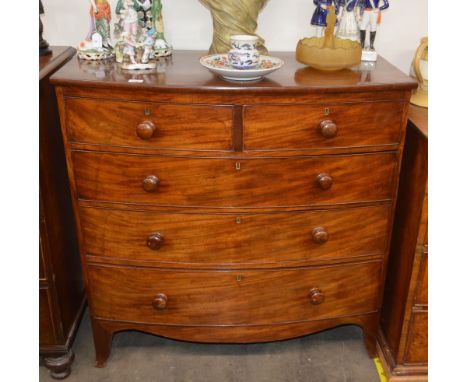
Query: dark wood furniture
[220, 212]
[403, 335]
[61, 290]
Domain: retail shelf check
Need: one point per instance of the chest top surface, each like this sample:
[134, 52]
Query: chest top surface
[183, 72]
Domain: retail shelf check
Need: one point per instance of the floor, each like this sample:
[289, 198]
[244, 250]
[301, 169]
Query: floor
[336, 355]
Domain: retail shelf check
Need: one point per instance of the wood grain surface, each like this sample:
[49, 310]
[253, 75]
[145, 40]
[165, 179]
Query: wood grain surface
[273, 127]
[247, 239]
[180, 127]
[247, 297]
[234, 183]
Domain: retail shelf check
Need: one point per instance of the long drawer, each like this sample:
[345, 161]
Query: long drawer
[235, 239]
[233, 298]
[270, 127]
[149, 125]
[198, 182]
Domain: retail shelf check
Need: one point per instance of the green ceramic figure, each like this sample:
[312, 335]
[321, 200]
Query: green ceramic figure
[150, 20]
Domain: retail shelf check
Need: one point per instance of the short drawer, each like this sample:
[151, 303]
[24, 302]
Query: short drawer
[233, 298]
[198, 182]
[290, 127]
[222, 239]
[417, 347]
[149, 125]
[421, 297]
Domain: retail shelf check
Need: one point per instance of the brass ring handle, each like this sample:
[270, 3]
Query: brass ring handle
[320, 235]
[324, 181]
[316, 296]
[328, 129]
[160, 301]
[155, 241]
[151, 183]
[145, 130]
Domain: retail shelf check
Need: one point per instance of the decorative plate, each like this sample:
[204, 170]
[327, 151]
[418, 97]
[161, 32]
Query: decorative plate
[219, 64]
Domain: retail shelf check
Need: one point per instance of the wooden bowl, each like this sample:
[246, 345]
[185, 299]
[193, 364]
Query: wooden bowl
[344, 54]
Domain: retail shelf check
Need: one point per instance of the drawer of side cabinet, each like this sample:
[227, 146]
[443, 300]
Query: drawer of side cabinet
[233, 298]
[149, 125]
[417, 345]
[225, 239]
[313, 127]
[198, 182]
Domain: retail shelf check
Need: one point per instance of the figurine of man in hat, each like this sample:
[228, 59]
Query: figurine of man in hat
[319, 18]
[100, 13]
[371, 16]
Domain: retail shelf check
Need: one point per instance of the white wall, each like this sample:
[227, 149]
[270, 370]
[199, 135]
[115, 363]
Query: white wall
[282, 23]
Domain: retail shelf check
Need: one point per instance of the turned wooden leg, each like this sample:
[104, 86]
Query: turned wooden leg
[60, 367]
[102, 343]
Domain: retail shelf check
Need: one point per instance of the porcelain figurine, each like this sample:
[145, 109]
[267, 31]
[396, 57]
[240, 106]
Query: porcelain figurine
[348, 28]
[161, 46]
[97, 44]
[43, 44]
[234, 17]
[134, 49]
[319, 17]
[370, 17]
[146, 15]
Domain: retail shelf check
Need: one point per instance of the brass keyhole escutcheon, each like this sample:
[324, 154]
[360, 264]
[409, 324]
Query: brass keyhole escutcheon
[327, 111]
[238, 220]
[239, 278]
[238, 166]
[147, 111]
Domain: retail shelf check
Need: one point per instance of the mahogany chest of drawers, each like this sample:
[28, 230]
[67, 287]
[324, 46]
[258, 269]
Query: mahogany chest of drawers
[220, 212]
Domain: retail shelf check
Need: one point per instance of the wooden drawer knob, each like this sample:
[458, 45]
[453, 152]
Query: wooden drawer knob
[324, 181]
[316, 296]
[151, 183]
[320, 235]
[328, 129]
[160, 301]
[155, 241]
[145, 130]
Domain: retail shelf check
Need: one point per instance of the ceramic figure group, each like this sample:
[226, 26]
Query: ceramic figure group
[354, 19]
[139, 33]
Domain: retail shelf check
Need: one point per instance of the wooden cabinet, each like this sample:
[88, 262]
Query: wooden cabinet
[403, 336]
[217, 212]
[61, 290]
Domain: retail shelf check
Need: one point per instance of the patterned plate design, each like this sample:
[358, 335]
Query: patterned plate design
[219, 64]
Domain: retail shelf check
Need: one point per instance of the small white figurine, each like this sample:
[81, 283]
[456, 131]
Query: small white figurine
[148, 45]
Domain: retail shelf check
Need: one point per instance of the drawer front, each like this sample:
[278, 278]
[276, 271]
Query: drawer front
[233, 298]
[185, 127]
[231, 239]
[418, 338]
[309, 127]
[422, 287]
[230, 183]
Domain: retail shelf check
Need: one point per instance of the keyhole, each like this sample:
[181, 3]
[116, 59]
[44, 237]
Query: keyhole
[239, 278]
[238, 166]
[147, 111]
[327, 111]
[238, 220]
